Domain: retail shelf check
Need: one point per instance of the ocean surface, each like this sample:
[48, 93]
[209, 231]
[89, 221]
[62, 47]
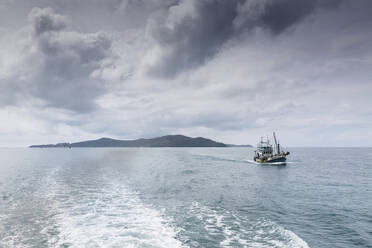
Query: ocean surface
[184, 197]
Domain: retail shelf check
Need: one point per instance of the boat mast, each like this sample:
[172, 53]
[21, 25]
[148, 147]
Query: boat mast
[276, 143]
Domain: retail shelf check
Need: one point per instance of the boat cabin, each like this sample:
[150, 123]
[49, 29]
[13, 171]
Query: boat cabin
[264, 149]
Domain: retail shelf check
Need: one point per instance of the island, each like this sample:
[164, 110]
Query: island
[163, 141]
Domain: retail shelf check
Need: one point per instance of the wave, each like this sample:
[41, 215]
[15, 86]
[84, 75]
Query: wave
[111, 216]
[223, 228]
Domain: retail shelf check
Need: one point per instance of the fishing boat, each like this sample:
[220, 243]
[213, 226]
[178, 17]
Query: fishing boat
[265, 152]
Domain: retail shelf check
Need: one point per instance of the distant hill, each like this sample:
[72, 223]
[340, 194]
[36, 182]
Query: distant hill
[164, 141]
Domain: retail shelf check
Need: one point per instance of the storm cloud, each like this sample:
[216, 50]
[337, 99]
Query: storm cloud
[230, 70]
[59, 62]
[192, 31]
[67, 61]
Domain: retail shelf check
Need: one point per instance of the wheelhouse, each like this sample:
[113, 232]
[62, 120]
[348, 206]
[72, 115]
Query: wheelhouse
[264, 148]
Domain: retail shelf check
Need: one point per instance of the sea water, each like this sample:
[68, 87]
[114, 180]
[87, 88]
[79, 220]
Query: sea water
[184, 197]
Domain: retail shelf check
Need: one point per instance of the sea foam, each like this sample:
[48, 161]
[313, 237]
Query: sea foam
[110, 216]
[232, 230]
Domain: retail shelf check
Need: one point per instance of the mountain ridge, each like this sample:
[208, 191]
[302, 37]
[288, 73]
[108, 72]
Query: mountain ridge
[162, 141]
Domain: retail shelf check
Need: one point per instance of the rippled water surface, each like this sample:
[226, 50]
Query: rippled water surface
[184, 197]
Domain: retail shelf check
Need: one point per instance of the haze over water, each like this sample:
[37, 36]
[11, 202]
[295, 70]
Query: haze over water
[184, 197]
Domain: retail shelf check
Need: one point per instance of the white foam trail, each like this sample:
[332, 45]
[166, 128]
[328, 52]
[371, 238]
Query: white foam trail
[110, 217]
[277, 236]
[275, 163]
[293, 240]
[240, 232]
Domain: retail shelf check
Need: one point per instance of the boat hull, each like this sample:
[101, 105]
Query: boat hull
[275, 159]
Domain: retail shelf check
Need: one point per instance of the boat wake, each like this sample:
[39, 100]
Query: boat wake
[216, 158]
[222, 228]
[108, 216]
[275, 163]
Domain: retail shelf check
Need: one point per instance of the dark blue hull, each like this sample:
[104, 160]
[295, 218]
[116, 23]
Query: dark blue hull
[275, 159]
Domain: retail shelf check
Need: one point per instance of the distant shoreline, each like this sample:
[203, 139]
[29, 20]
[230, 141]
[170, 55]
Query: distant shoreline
[163, 141]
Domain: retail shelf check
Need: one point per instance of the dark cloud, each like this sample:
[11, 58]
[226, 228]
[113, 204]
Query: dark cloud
[193, 31]
[281, 14]
[66, 62]
[45, 20]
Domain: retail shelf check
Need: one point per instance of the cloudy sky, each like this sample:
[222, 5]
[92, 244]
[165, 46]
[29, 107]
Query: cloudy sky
[230, 70]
